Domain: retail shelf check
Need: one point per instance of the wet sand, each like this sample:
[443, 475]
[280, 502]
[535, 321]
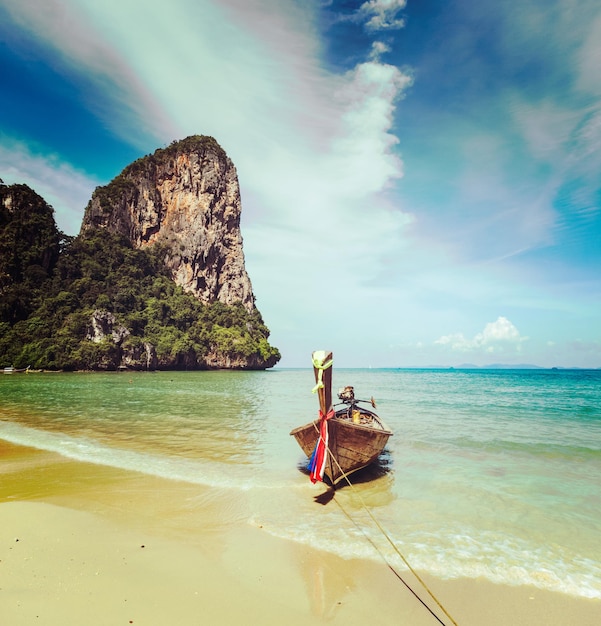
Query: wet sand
[82, 543]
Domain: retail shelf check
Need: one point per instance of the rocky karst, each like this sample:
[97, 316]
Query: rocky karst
[155, 279]
[186, 197]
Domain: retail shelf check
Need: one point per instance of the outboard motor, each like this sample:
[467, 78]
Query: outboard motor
[347, 395]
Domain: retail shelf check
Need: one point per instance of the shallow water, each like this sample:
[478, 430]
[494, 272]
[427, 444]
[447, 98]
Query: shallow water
[489, 473]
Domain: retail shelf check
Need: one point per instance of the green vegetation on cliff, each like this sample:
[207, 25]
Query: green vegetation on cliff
[101, 304]
[29, 249]
[122, 186]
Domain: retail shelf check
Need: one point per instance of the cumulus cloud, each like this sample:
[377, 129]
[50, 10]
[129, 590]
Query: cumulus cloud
[496, 337]
[382, 14]
[65, 188]
[369, 94]
[378, 48]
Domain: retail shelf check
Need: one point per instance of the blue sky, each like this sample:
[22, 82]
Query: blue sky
[421, 180]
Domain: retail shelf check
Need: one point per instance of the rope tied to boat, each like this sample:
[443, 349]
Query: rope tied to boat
[393, 545]
[320, 364]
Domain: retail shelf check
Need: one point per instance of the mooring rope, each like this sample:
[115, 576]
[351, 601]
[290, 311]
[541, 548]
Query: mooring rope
[394, 547]
[373, 543]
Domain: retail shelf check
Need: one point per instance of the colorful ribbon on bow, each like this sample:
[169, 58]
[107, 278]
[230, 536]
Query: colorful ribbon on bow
[317, 464]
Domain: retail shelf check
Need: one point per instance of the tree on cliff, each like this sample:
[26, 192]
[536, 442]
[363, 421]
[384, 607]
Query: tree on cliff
[29, 249]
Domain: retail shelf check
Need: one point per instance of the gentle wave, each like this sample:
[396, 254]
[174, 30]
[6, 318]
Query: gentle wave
[473, 554]
[88, 451]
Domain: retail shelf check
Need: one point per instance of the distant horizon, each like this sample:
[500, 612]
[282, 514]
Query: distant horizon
[523, 367]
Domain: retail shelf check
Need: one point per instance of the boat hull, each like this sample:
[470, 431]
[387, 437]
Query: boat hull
[351, 446]
[12, 370]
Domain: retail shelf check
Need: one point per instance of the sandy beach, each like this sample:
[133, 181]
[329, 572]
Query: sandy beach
[84, 543]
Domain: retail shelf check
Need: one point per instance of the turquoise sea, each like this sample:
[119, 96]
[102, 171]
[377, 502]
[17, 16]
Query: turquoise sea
[490, 473]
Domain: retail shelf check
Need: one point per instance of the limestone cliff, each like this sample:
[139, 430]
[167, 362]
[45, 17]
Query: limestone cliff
[108, 299]
[187, 197]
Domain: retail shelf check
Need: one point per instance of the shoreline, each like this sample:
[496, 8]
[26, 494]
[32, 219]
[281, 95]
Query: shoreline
[90, 542]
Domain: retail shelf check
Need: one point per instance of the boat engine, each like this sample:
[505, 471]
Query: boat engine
[347, 395]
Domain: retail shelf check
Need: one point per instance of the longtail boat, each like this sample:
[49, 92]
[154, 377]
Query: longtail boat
[13, 370]
[342, 440]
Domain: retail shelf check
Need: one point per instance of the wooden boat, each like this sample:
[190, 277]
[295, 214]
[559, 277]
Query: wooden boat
[355, 435]
[12, 370]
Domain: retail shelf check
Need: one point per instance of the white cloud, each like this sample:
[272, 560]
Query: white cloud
[496, 337]
[65, 28]
[382, 14]
[378, 48]
[65, 188]
[365, 145]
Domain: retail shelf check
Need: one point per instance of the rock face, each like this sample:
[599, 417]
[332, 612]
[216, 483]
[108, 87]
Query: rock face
[187, 198]
[102, 324]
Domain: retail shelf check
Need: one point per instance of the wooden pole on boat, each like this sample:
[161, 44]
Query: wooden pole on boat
[322, 368]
